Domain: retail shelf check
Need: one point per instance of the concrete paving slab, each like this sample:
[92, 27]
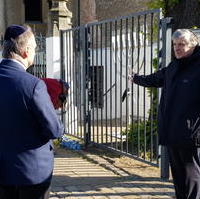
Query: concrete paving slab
[90, 175]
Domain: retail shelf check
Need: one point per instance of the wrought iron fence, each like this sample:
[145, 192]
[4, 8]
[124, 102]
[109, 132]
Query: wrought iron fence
[104, 107]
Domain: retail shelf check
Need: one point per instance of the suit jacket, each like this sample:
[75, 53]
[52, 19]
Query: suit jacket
[28, 122]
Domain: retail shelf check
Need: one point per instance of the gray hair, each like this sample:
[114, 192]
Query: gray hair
[187, 35]
[13, 47]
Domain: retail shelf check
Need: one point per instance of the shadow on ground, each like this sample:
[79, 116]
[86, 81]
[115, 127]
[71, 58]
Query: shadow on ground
[88, 175]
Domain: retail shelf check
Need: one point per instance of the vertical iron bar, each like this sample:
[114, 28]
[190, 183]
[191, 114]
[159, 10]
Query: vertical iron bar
[97, 84]
[62, 69]
[138, 93]
[85, 88]
[121, 67]
[132, 90]
[127, 98]
[152, 91]
[76, 59]
[159, 58]
[92, 83]
[111, 85]
[116, 100]
[101, 65]
[78, 13]
[68, 80]
[74, 83]
[80, 67]
[144, 59]
[71, 80]
[106, 81]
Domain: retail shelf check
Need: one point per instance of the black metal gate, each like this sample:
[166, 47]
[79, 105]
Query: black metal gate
[104, 107]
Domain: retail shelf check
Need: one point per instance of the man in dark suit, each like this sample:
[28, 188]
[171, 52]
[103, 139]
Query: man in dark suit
[28, 121]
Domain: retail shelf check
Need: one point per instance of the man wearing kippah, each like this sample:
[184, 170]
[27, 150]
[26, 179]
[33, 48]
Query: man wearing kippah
[28, 121]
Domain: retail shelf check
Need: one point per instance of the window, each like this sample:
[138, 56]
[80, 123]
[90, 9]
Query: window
[33, 10]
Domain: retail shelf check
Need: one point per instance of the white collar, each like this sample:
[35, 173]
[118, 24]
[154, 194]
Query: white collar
[15, 61]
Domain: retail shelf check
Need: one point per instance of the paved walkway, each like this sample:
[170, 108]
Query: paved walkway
[96, 175]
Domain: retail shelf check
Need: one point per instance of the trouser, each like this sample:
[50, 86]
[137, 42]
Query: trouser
[185, 168]
[38, 191]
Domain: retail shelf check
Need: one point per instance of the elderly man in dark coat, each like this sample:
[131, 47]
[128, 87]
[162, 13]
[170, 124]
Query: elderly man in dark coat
[179, 112]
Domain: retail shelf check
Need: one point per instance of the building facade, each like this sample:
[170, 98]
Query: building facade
[41, 15]
[48, 16]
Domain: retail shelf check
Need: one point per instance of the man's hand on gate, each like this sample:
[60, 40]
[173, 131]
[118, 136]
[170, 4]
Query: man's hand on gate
[131, 77]
[131, 74]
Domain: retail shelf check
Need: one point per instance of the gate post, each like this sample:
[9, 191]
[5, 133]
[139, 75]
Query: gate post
[166, 26]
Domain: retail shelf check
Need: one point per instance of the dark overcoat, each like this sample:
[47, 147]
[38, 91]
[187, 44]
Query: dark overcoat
[179, 108]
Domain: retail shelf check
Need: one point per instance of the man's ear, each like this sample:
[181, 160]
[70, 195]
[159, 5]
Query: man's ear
[24, 54]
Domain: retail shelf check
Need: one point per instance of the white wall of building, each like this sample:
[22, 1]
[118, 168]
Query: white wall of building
[118, 75]
[53, 57]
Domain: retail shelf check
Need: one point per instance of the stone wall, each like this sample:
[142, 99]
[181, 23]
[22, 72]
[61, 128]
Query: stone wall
[2, 18]
[11, 12]
[107, 9]
[14, 12]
